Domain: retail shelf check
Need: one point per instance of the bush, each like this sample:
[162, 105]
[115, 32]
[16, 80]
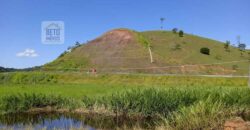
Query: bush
[205, 51]
[181, 33]
[226, 45]
[242, 46]
[64, 53]
[175, 30]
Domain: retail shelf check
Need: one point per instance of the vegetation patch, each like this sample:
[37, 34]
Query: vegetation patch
[176, 108]
[205, 51]
[24, 102]
[202, 115]
[143, 40]
[170, 101]
[28, 78]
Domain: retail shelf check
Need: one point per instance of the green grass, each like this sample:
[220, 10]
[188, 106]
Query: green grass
[178, 108]
[23, 102]
[67, 90]
[163, 42]
[202, 115]
[32, 78]
[176, 102]
[153, 101]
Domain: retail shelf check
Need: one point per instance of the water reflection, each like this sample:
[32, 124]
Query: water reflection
[41, 121]
[70, 121]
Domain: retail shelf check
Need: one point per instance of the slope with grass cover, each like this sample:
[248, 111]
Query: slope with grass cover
[124, 50]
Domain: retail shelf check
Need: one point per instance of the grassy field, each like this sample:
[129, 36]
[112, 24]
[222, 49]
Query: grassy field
[117, 79]
[76, 91]
[77, 85]
[177, 102]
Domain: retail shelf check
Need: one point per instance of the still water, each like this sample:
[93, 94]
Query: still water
[67, 121]
[39, 121]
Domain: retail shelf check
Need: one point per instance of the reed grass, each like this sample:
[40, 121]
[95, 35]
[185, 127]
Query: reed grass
[23, 102]
[175, 108]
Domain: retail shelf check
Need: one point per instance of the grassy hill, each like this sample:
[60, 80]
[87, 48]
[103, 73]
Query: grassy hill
[123, 50]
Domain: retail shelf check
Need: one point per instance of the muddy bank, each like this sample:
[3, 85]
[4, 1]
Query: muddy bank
[237, 124]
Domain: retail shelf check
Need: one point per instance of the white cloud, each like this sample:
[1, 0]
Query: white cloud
[27, 53]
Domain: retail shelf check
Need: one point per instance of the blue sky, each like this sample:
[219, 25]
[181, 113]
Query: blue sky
[20, 22]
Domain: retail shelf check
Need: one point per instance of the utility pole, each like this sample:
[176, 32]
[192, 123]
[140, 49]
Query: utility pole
[162, 20]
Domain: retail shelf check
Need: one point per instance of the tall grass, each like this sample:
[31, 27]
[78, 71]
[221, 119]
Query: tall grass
[153, 101]
[150, 102]
[177, 107]
[24, 102]
[182, 108]
[202, 115]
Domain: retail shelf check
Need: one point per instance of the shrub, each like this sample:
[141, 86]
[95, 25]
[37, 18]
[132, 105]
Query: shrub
[242, 46]
[175, 30]
[181, 33]
[226, 45]
[205, 51]
[64, 53]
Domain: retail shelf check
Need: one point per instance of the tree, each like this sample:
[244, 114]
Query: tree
[181, 33]
[77, 44]
[242, 46]
[205, 51]
[61, 55]
[174, 30]
[162, 20]
[226, 45]
[69, 48]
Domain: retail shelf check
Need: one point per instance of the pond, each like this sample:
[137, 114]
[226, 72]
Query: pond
[66, 121]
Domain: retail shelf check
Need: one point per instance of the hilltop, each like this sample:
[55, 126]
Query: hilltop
[124, 50]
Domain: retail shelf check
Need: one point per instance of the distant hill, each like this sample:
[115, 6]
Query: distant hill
[124, 50]
[3, 69]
